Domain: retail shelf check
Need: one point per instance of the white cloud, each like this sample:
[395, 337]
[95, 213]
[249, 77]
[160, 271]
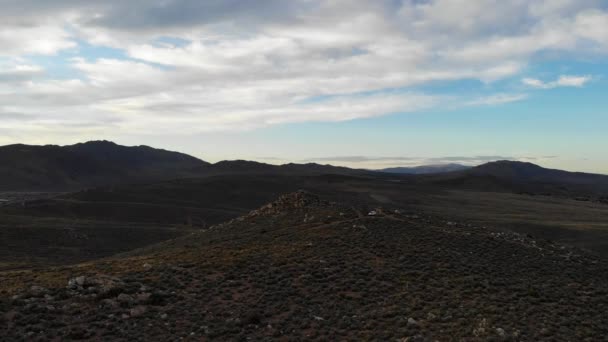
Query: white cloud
[593, 25]
[573, 81]
[497, 99]
[226, 65]
[378, 162]
[562, 81]
[33, 38]
[11, 72]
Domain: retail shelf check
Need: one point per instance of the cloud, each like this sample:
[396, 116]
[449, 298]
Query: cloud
[562, 81]
[573, 81]
[200, 66]
[497, 99]
[394, 161]
[7, 115]
[10, 72]
[36, 37]
[359, 159]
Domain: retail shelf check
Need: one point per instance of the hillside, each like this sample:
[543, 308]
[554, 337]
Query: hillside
[528, 172]
[99, 163]
[58, 229]
[305, 268]
[50, 167]
[511, 176]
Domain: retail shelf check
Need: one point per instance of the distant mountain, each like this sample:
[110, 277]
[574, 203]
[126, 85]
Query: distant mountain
[426, 169]
[528, 172]
[50, 167]
[524, 177]
[95, 163]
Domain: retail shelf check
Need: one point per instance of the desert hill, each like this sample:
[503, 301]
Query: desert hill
[306, 268]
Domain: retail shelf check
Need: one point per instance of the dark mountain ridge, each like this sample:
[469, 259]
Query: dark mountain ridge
[98, 163]
[514, 176]
[101, 163]
[51, 167]
[528, 172]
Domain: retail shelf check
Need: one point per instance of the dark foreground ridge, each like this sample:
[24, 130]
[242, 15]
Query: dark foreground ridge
[302, 268]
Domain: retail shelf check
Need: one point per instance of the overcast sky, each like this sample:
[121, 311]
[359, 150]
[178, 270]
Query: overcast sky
[356, 83]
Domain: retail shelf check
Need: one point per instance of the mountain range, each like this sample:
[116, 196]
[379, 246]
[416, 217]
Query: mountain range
[148, 244]
[98, 163]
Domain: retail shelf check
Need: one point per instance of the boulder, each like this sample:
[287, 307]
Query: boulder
[138, 311]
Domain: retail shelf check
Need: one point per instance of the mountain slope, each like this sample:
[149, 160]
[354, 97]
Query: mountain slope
[511, 176]
[302, 268]
[528, 172]
[95, 163]
[24, 167]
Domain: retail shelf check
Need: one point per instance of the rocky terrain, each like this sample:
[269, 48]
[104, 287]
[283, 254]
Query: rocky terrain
[303, 268]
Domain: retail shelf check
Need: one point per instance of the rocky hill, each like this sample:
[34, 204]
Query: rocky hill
[303, 268]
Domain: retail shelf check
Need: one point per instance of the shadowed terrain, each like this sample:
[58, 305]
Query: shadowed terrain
[97, 163]
[505, 251]
[100, 222]
[305, 268]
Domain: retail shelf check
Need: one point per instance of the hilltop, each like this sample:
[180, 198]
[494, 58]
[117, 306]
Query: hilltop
[521, 177]
[303, 267]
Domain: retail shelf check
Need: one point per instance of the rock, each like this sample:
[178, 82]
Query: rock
[430, 316]
[110, 303]
[147, 266]
[138, 311]
[481, 328]
[37, 291]
[143, 297]
[411, 321]
[500, 332]
[124, 298]
[77, 282]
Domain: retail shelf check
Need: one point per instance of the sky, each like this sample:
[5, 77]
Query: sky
[367, 84]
